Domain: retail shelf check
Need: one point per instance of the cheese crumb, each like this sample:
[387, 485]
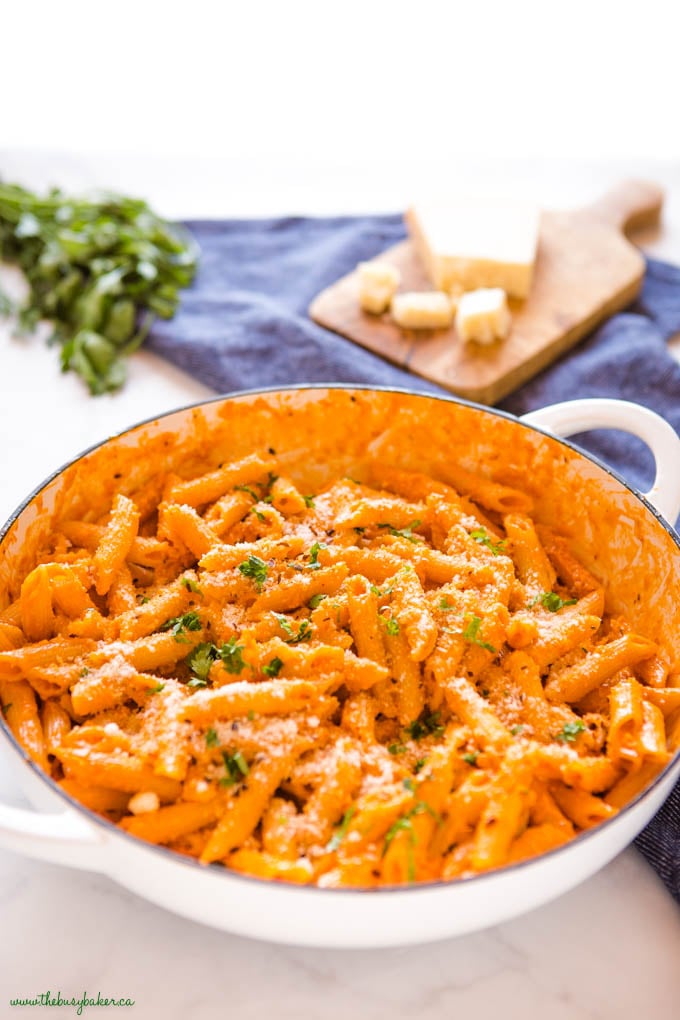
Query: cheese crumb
[378, 282]
[483, 316]
[143, 803]
[422, 310]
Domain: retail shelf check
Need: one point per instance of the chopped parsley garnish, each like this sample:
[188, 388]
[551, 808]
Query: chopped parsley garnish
[199, 661]
[420, 764]
[236, 768]
[409, 785]
[392, 626]
[480, 535]
[309, 502]
[471, 758]
[84, 671]
[379, 592]
[304, 632]
[273, 668]
[211, 738]
[551, 601]
[516, 730]
[396, 748]
[445, 605]
[404, 824]
[570, 732]
[247, 488]
[428, 725]
[144, 599]
[191, 585]
[471, 634]
[179, 624]
[314, 555]
[341, 830]
[406, 532]
[231, 655]
[157, 689]
[255, 569]
[258, 513]
[6, 707]
[316, 600]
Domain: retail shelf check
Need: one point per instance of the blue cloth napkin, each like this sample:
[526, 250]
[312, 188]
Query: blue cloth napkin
[244, 324]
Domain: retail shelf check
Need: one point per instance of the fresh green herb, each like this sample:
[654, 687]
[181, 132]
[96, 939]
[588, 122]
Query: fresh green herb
[445, 605]
[570, 732]
[379, 591]
[157, 689]
[231, 655]
[255, 569]
[211, 738]
[271, 478]
[309, 502]
[392, 626]
[144, 599]
[420, 764]
[316, 600]
[250, 716]
[480, 535]
[236, 768]
[396, 748]
[199, 660]
[471, 634]
[551, 601]
[409, 785]
[84, 671]
[471, 758]
[428, 725]
[406, 532]
[360, 531]
[6, 707]
[341, 830]
[100, 268]
[404, 824]
[516, 730]
[247, 488]
[258, 513]
[191, 585]
[273, 668]
[304, 631]
[178, 625]
[314, 555]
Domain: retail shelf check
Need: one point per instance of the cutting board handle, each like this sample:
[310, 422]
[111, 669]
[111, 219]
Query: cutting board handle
[630, 206]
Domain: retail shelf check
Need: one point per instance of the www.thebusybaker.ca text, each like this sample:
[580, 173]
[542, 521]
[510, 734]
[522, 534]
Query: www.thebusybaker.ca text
[51, 999]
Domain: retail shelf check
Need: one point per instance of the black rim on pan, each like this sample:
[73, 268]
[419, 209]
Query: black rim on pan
[219, 869]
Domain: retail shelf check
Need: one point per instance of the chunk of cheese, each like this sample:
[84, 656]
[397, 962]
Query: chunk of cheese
[476, 244]
[422, 310]
[378, 282]
[483, 316]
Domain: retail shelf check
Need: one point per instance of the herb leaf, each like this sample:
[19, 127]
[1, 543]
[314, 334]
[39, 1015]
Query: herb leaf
[481, 536]
[341, 830]
[211, 738]
[231, 655]
[178, 625]
[199, 661]
[428, 725]
[316, 600]
[236, 767]
[314, 556]
[471, 633]
[254, 568]
[191, 585]
[570, 731]
[303, 633]
[551, 601]
[274, 667]
[391, 625]
[406, 532]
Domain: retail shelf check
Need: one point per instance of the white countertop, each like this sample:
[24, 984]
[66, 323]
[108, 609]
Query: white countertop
[608, 949]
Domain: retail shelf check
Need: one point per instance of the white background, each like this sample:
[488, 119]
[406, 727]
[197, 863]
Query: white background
[260, 108]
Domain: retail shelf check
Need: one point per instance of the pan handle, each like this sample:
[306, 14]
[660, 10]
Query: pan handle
[574, 416]
[63, 838]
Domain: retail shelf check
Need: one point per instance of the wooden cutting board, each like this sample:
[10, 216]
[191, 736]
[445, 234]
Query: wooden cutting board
[585, 271]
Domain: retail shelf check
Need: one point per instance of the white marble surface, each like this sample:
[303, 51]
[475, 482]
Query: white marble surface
[608, 949]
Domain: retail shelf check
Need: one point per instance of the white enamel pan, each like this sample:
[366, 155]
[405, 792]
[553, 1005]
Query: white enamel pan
[622, 535]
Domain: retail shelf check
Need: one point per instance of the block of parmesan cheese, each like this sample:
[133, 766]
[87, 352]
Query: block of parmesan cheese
[483, 316]
[474, 244]
[422, 310]
[378, 282]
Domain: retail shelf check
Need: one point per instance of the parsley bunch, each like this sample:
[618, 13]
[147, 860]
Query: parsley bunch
[99, 269]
